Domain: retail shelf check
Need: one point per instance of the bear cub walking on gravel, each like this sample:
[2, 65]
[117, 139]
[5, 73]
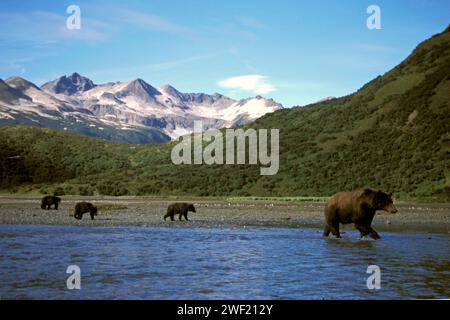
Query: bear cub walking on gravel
[49, 201]
[181, 209]
[356, 207]
[83, 207]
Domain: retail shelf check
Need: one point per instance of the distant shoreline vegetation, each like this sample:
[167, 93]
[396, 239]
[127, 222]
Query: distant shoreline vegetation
[31, 192]
[43, 161]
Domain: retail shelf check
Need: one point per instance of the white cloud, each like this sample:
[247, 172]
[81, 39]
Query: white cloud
[255, 83]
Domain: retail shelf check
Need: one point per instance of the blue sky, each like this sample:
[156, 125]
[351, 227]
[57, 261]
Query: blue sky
[293, 51]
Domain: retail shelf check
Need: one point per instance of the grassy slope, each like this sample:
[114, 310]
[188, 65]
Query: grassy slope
[392, 134]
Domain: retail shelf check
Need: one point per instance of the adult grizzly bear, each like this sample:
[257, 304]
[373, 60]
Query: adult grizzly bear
[356, 207]
[83, 207]
[180, 208]
[48, 201]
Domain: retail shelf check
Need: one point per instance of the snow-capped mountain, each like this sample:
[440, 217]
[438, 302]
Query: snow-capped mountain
[133, 111]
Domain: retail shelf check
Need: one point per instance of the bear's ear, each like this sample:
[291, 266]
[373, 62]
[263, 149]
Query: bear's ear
[390, 195]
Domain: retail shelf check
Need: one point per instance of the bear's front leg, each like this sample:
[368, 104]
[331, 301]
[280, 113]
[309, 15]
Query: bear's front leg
[362, 230]
[167, 215]
[367, 231]
[326, 230]
[334, 228]
[373, 234]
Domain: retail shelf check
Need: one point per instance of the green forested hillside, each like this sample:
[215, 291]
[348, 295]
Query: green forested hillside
[392, 134]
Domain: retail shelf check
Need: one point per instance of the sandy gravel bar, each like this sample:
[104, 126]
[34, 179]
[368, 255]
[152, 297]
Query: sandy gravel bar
[128, 211]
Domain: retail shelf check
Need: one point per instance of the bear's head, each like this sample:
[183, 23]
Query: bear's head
[191, 208]
[383, 201]
[94, 210]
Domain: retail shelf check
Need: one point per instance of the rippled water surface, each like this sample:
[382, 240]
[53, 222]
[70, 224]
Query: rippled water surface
[197, 263]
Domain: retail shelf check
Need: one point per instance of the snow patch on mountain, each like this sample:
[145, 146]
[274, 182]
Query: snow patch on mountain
[127, 105]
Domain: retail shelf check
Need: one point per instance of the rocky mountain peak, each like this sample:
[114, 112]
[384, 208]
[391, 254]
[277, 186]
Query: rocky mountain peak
[69, 85]
[140, 89]
[20, 83]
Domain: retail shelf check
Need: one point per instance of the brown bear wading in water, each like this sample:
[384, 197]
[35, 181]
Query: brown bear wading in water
[179, 208]
[83, 207]
[49, 201]
[356, 207]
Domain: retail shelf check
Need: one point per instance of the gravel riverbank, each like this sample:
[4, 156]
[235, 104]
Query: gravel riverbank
[119, 211]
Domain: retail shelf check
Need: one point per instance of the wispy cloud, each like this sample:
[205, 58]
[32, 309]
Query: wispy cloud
[254, 83]
[232, 30]
[120, 16]
[239, 27]
[175, 63]
[236, 53]
[153, 22]
[16, 61]
[44, 28]
[12, 67]
[154, 67]
[250, 22]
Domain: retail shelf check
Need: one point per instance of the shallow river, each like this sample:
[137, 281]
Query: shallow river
[201, 263]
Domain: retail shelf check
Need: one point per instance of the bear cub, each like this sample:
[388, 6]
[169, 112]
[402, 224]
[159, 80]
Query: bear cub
[181, 209]
[49, 201]
[84, 207]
